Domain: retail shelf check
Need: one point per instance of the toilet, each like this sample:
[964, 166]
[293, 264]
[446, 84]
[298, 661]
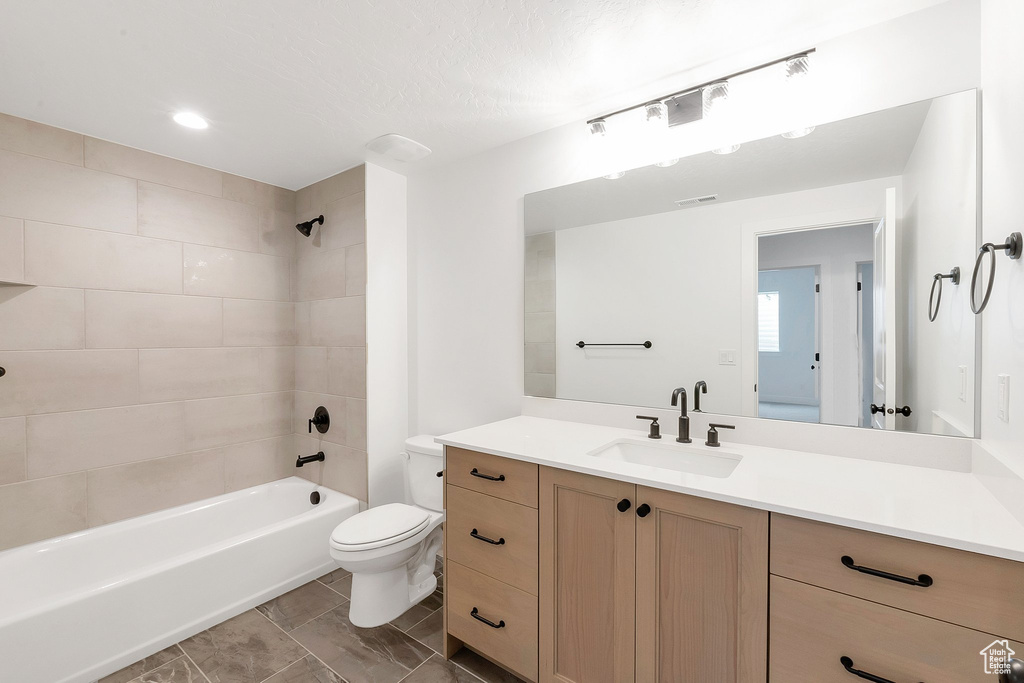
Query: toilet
[390, 549]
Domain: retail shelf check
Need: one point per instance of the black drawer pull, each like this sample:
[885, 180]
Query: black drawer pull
[474, 534]
[501, 624]
[500, 477]
[440, 474]
[923, 580]
[848, 665]
[643, 510]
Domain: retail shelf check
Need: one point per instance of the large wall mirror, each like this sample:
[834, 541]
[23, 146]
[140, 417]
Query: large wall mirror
[822, 278]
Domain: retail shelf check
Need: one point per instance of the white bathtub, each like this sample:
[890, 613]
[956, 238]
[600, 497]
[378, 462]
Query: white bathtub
[76, 608]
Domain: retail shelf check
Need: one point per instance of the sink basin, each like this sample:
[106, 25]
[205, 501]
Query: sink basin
[670, 456]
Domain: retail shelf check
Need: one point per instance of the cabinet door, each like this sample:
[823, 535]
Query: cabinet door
[586, 579]
[701, 590]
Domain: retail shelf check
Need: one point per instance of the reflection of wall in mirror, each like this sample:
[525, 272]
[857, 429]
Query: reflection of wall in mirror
[939, 232]
[539, 354]
[673, 278]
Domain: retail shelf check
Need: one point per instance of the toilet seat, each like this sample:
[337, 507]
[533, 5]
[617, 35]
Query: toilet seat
[379, 527]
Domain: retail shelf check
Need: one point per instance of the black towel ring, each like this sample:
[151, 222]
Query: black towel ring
[1012, 248]
[936, 299]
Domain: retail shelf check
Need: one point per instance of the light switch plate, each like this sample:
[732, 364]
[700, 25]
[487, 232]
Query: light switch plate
[962, 382]
[1003, 397]
[727, 357]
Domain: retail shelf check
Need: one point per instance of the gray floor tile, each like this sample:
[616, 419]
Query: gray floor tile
[361, 655]
[483, 668]
[429, 631]
[412, 616]
[433, 601]
[437, 670]
[339, 581]
[180, 670]
[143, 666]
[245, 649]
[332, 576]
[306, 670]
[296, 607]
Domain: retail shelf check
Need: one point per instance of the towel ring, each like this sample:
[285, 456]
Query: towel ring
[1011, 248]
[954, 275]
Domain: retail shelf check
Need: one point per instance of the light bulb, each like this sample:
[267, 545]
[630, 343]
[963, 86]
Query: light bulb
[597, 127]
[714, 96]
[655, 112]
[797, 67]
[615, 176]
[798, 133]
[667, 163]
[190, 120]
[727, 149]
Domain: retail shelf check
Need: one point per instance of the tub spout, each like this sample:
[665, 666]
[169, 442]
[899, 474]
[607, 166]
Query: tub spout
[303, 459]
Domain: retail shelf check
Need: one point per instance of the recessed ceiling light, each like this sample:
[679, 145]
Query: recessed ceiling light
[798, 133]
[190, 120]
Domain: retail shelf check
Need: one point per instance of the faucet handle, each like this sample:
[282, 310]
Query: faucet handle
[655, 432]
[713, 434]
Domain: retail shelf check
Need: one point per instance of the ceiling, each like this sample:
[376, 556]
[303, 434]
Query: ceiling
[875, 145]
[294, 90]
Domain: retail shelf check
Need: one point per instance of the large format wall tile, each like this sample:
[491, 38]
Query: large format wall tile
[12, 450]
[53, 381]
[264, 196]
[320, 276]
[345, 222]
[59, 443]
[40, 140]
[65, 509]
[258, 323]
[355, 270]
[214, 422]
[64, 256]
[41, 318]
[346, 371]
[344, 184]
[186, 216]
[310, 362]
[126, 320]
[130, 490]
[258, 462]
[277, 232]
[42, 190]
[338, 322]
[134, 163]
[277, 368]
[210, 271]
[179, 374]
[12, 255]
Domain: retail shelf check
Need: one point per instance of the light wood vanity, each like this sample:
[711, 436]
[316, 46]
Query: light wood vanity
[572, 578]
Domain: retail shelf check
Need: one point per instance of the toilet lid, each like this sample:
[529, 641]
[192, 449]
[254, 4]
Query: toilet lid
[379, 526]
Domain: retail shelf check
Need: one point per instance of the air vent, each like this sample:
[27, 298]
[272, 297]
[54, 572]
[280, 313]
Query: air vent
[694, 201]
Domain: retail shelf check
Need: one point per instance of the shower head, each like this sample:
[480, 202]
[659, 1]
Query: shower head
[307, 227]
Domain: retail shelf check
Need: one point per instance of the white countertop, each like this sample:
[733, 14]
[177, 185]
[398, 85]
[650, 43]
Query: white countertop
[938, 506]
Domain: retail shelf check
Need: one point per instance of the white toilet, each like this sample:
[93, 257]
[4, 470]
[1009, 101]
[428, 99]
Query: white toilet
[390, 549]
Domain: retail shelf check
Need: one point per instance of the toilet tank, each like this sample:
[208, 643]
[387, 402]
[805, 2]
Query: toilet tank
[426, 459]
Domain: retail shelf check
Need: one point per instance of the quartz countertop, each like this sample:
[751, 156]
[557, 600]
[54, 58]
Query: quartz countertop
[931, 505]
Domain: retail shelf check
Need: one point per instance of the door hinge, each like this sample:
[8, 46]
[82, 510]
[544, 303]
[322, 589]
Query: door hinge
[817, 288]
[860, 286]
[817, 356]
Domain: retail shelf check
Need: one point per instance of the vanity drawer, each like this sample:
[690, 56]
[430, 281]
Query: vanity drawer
[513, 645]
[977, 591]
[513, 559]
[813, 628]
[499, 477]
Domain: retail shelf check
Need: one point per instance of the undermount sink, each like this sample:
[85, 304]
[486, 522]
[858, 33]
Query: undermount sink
[670, 456]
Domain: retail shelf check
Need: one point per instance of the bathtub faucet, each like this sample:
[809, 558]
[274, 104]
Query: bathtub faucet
[303, 459]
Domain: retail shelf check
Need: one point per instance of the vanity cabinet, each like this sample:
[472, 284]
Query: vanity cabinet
[648, 585]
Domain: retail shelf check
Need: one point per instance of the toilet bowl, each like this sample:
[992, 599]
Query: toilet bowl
[390, 549]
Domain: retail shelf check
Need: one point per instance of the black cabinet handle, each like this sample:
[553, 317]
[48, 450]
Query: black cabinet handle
[474, 534]
[923, 580]
[2, 372]
[623, 505]
[476, 615]
[441, 473]
[848, 665]
[643, 510]
[500, 477]
[877, 409]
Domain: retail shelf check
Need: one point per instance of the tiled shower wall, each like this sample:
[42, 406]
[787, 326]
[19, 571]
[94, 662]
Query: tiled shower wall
[329, 288]
[540, 315]
[152, 362]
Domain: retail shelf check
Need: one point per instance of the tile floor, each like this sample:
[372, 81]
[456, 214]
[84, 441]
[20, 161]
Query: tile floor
[305, 636]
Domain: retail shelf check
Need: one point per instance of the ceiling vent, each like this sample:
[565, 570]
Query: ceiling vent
[694, 201]
[398, 147]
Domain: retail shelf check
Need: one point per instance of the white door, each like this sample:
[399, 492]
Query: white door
[884, 291]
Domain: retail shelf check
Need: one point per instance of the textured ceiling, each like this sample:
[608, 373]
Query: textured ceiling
[294, 89]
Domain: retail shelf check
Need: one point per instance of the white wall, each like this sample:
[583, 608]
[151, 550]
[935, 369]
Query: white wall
[466, 224]
[675, 278]
[938, 232]
[387, 334]
[1002, 59]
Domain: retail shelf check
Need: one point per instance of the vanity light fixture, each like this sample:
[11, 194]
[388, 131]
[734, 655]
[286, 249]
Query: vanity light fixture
[655, 112]
[597, 127]
[727, 149]
[190, 119]
[667, 163]
[798, 133]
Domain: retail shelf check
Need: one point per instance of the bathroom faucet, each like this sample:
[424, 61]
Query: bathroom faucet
[699, 388]
[303, 459]
[713, 434]
[684, 421]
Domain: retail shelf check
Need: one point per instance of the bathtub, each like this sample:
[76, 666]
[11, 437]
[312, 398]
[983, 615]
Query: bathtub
[76, 608]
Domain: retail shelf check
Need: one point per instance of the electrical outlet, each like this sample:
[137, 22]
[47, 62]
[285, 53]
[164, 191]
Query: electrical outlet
[963, 383]
[1003, 400]
[727, 357]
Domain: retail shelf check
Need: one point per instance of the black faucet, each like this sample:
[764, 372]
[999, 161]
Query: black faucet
[713, 434]
[684, 421]
[699, 388]
[303, 459]
[655, 432]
